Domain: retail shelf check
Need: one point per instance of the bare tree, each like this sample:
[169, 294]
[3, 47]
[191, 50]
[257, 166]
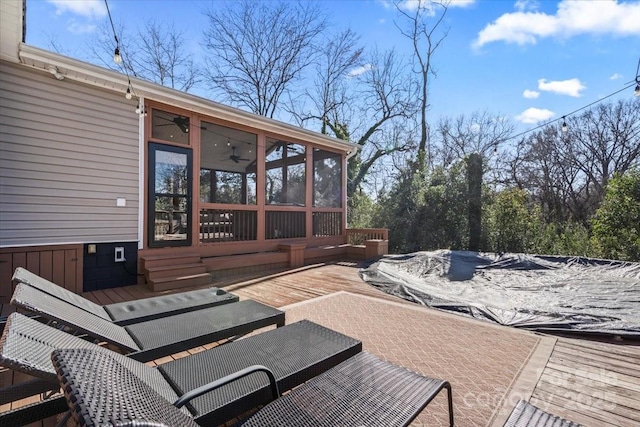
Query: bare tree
[480, 133]
[606, 140]
[425, 29]
[389, 102]
[330, 93]
[257, 50]
[567, 173]
[162, 57]
[158, 54]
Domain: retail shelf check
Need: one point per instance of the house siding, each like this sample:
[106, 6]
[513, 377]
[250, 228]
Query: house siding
[11, 24]
[67, 152]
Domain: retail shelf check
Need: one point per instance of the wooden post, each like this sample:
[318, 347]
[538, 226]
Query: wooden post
[296, 253]
[474, 177]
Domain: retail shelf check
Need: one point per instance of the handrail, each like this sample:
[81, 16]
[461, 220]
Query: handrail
[357, 236]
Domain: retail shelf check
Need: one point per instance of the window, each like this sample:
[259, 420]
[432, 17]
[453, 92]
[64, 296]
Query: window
[327, 179]
[170, 127]
[227, 165]
[285, 173]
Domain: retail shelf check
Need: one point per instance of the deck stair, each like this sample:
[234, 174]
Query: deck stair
[164, 272]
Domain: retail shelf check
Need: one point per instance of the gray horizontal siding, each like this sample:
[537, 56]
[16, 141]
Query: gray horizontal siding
[67, 152]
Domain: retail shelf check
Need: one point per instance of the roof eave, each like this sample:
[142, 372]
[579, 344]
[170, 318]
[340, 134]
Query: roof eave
[84, 72]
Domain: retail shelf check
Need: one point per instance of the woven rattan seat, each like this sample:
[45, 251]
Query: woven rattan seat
[527, 415]
[136, 311]
[362, 390]
[154, 338]
[295, 353]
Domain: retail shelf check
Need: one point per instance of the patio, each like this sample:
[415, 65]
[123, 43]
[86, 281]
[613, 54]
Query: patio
[490, 367]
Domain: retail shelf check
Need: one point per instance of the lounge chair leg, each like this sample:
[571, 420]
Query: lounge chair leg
[450, 398]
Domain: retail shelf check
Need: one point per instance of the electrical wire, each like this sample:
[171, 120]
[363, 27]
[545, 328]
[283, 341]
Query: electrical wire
[124, 64]
[628, 86]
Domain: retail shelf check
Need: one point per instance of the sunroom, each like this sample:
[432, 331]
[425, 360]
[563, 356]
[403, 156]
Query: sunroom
[212, 182]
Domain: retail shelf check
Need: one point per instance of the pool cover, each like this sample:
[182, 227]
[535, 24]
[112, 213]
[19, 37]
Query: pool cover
[535, 292]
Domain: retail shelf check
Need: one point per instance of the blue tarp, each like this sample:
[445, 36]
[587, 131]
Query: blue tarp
[536, 292]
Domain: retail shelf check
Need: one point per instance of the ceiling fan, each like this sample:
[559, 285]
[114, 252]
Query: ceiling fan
[236, 158]
[180, 121]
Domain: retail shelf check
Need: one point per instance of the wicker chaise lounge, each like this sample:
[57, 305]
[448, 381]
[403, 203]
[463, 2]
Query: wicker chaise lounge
[361, 391]
[157, 338]
[136, 311]
[294, 353]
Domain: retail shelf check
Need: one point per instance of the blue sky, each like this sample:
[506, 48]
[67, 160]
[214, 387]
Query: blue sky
[531, 61]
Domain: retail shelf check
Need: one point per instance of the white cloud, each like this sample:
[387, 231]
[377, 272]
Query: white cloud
[86, 8]
[615, 76]
[461, 3]
[79, 29]
[412, 5]
[534, 115]
[572, 18]
[571, 87]
[523, 5]
[359, 70]
[530, 94]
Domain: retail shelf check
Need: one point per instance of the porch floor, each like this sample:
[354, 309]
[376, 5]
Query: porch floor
[490, 367]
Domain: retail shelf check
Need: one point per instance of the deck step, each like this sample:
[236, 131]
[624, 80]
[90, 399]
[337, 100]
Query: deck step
[174, 259]
[175, 271]
[167, 283]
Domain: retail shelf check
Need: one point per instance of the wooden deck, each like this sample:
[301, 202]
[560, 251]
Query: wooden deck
[589, 382]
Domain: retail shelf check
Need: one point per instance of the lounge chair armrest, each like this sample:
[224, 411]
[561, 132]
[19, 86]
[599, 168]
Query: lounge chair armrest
[188, 396]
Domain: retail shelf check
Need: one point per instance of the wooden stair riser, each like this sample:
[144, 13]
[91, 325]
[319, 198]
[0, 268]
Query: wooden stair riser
[165, 284]
[161, 261]
[175, 271]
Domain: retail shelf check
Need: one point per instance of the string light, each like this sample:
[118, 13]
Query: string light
[117, 58]
[141, 110]
[540, 126]
[564, 124]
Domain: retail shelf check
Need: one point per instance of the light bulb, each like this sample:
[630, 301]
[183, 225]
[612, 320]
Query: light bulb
[636, 92]
[116, 56]
[128, 94]
[564, 125]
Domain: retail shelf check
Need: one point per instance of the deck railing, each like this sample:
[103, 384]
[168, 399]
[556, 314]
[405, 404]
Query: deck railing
[357, 236]
[223, 225]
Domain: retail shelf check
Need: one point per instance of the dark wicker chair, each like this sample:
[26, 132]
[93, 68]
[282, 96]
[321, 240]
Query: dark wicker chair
[157, 338]
[136, 311]
[294, 353]
[362, 390]
[527, 415]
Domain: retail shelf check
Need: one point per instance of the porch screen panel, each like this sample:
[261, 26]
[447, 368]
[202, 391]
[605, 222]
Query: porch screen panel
[170, 127]
[327, 179]
[285, 173]
[227, 165]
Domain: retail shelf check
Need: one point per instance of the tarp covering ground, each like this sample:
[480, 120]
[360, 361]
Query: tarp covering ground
[543, 293]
